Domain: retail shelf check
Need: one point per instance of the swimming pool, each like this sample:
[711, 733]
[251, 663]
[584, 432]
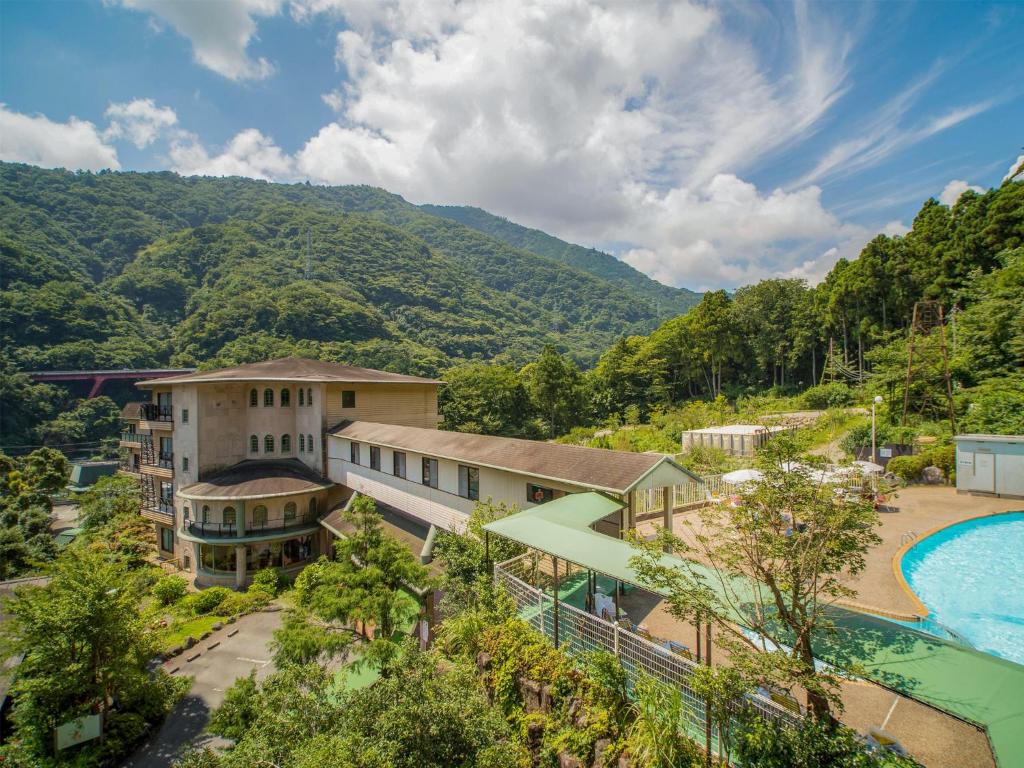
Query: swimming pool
[971, 577]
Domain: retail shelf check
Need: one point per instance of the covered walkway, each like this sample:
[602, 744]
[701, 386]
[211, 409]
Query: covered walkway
[965, 683]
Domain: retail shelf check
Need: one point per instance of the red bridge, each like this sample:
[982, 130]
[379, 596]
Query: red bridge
[98, 378]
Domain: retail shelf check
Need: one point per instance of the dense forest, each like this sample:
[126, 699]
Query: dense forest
[533, 335]
[774, 338]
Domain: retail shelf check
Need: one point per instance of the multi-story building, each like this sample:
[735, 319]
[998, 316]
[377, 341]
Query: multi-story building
[240, 466]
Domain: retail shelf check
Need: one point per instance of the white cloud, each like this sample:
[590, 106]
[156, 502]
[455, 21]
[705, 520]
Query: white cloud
[220, 31]
[249, 153]
[952, 191]
[141, 121]
[38, 140]
[1016, 169]
[631, 123]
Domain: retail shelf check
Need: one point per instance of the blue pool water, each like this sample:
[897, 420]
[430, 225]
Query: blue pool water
[971, 577]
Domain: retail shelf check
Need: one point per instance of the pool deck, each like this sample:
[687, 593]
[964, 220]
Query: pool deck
[935, 738]
[924, 510]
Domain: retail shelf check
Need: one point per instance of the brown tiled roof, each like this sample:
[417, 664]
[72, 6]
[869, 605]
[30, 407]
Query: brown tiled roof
[411, 533]
[615, 471]
[130, 411]
[294, 369]
[257, 479]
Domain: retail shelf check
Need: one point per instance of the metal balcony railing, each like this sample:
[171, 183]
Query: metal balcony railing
[163, 460]
[134, 437]
[159, 507]
[252, 528]
[154, 412]
[198, 528]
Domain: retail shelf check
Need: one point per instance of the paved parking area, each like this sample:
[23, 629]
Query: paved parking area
[214, 670]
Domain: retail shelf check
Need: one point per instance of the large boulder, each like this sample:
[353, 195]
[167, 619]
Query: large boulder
[933, 475]
[530, 691]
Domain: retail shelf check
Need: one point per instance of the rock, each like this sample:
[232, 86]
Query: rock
[534, 734]
[600, 747]
[483, 662]
[205, 635]
[933, 475]
[530, 691]
[232, 619]
[625, 762]
[547, 696]
[175, 650]
[217, 625]
[566, 760]
[189, 642]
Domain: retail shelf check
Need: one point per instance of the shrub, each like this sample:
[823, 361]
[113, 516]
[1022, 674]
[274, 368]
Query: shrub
[265, 580]
[943, 457]
[824, 396]
[206, 601]
[907, 468]
[170, 589]
[860, 437]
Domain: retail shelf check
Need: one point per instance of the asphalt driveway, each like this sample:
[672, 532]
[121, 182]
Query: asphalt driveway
[214, 670]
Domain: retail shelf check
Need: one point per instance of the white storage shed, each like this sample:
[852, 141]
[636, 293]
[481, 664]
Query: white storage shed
[991, 464]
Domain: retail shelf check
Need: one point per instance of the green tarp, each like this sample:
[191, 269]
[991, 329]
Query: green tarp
[968, 684]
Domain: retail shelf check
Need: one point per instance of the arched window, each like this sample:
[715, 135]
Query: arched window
[289, 510]
[309, 396]
[259, 516]
[302, 396]
[302, 439]
[185, 511]
[286, 397]
[268, 397]
[309, 443]
[228, 516]
[206, 513]
[286, 443]
[268, 444]
[312, 507]
[254, 444]
[253, 398]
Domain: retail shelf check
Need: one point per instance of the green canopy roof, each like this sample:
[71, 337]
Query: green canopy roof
[968, 684]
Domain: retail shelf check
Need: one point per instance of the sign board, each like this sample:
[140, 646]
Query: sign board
[885, 453]
[78, 731]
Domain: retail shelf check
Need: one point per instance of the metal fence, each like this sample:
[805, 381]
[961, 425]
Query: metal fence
[582, 632]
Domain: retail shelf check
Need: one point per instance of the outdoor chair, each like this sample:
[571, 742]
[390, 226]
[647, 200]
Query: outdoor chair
[680, 650]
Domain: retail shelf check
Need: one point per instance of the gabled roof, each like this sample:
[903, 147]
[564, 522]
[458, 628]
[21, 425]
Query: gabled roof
[130, 411]
[256, 480]
[613, 471]
[293, 369]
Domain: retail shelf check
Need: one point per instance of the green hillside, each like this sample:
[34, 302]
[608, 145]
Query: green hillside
[128, 269]
[672, 301]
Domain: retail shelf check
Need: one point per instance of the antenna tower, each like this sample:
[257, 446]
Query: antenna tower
[928, 353]
[309, 253]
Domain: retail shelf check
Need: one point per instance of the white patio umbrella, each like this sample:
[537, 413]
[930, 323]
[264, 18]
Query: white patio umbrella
[869, 467]
[739, 476]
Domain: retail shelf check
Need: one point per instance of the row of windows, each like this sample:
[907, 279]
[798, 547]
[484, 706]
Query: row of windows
[305, 397]
[257, 519]
[305, 443]
[348, 398]
[469, 477]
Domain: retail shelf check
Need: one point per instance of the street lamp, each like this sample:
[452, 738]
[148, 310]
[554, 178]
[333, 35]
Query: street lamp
[876, 401]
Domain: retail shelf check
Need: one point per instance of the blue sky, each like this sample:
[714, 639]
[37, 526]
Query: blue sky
[709, 146]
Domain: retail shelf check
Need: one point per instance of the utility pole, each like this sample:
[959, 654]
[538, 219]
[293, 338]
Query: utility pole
[309, 253]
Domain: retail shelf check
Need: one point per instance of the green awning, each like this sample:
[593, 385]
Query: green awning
[974, 686]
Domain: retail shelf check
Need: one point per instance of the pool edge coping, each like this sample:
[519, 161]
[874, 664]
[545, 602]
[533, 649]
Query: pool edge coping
[921, 610]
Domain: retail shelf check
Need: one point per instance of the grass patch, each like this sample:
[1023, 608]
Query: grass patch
[180, 630]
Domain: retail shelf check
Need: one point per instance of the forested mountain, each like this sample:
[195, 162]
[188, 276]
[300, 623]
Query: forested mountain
[133, 269]
[672, 301]
[774, 337]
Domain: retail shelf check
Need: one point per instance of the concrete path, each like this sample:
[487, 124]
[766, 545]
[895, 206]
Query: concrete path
[214, 670]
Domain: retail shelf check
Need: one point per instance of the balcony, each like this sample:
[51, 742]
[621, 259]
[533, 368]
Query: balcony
[252, 528]
[159, 463]
[154, 412]
[159, 511]
[134, 438]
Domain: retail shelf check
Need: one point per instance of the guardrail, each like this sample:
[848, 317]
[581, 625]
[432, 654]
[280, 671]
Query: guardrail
[581, 632]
